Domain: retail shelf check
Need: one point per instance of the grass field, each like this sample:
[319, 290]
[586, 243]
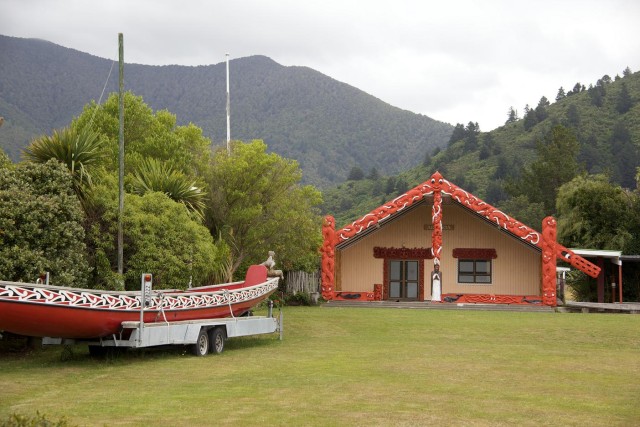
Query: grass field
[353, 366]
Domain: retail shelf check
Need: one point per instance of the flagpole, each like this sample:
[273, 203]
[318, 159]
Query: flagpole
[228, 110]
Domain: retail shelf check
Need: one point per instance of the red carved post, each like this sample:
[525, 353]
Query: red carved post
[436, 236]
[549, 261]
[328, 257]
[377, 292]
[436, 218]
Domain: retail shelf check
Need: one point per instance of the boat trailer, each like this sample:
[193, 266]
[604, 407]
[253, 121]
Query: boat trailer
[203, 335]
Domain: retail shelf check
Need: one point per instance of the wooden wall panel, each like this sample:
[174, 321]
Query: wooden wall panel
[360, 270]
[516, 271]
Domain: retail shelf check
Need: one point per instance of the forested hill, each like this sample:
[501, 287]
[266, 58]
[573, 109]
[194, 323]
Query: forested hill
[594, 128]
[328, 126]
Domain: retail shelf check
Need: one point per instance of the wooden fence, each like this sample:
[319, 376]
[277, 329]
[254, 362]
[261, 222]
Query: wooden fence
[301, 281]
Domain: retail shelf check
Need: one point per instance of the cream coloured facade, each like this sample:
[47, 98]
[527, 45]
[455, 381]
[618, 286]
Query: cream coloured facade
[515, 270]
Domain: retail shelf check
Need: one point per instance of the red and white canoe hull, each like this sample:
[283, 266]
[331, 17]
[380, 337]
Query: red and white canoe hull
[50, 311]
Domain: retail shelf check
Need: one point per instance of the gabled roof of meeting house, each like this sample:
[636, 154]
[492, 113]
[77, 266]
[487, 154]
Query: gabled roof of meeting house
[418, 195]
[438, 184]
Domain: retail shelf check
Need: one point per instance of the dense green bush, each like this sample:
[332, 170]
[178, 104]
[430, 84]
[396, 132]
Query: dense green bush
[160, 237]
[41, 225]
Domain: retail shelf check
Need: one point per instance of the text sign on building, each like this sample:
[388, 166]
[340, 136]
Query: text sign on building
[449, 227]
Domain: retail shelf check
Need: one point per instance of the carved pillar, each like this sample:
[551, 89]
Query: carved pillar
[436, 221]
[549, 261]
[328, 257]
[436, 234]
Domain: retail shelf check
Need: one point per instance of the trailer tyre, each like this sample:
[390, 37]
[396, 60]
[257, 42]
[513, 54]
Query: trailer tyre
[216, 338]
[97, 351]
[201, 347]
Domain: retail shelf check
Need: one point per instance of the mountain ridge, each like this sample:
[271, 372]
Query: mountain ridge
[485, 162]
[326, 125]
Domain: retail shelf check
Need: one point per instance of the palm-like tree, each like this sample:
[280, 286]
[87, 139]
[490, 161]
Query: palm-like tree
[78, 150]
[153, 175]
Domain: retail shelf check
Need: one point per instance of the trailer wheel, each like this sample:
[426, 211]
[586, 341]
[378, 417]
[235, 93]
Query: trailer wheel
[201, 347]
[97, 351]
[100, 352]
[216, 338]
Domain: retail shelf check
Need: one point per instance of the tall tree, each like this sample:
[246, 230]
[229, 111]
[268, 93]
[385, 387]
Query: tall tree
[426, 161]
[374, 175]
[488, 146]
[555, 165]
[495, 192]
[472, 131]
[160, 157]
[530, 118]
[147, 134]
[512, 116]
[258, 205]
[626, 156]
[541, 109]
[577, 88]
[526, 211]
[624, 101]
[355, 174]
[561, 94]
[597, 94]
[593, 213]
[390, 185]
[573, 116]
[457, 134]
[401, 185]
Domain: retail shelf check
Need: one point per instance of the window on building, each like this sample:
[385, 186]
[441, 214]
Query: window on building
[403, 279]
[474, 271]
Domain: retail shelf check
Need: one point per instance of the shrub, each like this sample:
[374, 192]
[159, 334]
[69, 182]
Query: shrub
[38, 420]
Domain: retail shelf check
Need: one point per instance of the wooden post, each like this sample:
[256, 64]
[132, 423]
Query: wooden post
[601, 280]
[121, 155]
[620, 280]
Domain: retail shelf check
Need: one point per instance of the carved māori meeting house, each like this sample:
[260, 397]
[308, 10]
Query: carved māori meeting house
[482, 254]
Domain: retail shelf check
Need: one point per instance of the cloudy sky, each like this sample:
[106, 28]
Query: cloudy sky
[455, 61]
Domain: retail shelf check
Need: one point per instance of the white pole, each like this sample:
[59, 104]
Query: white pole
[228, 110]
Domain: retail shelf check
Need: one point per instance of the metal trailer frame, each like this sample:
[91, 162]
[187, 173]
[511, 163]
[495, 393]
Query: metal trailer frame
[204, 335]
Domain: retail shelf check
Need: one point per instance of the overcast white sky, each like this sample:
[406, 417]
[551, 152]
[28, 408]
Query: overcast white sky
[452, 60]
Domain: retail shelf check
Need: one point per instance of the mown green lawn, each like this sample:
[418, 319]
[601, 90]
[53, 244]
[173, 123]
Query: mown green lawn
[355, 366]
